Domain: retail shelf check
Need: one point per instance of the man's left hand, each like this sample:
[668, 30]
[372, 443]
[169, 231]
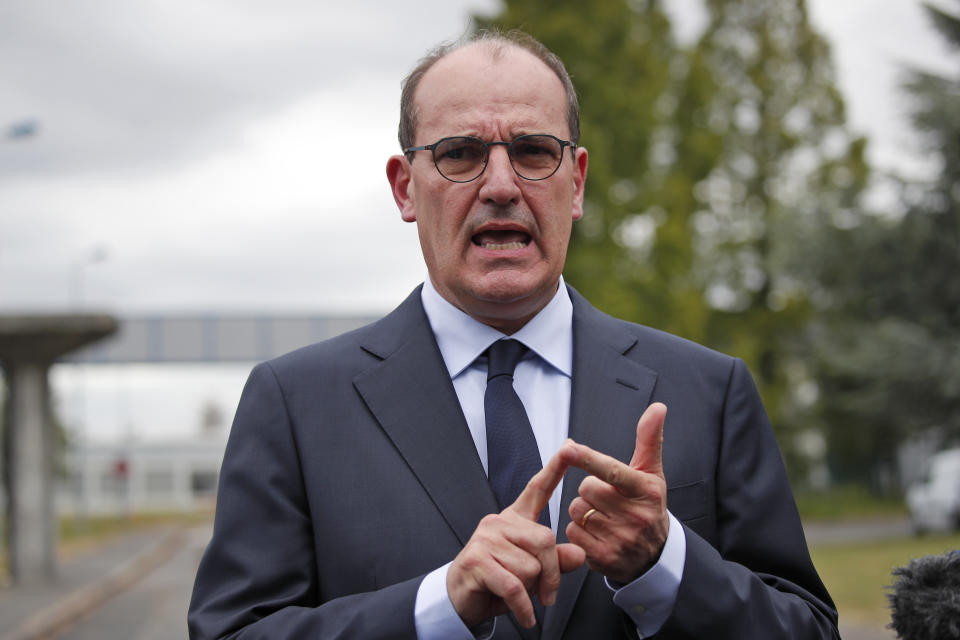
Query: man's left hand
[626, 531]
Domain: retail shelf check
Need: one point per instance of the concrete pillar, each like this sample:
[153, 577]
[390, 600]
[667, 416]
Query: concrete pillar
[28, 345]
[31, 523]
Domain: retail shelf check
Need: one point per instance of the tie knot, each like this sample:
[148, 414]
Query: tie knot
[503, 356]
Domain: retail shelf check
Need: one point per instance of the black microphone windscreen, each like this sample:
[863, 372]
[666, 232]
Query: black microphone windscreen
[925, 598]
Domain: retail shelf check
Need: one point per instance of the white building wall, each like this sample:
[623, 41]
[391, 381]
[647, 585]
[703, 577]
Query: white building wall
[177, 476]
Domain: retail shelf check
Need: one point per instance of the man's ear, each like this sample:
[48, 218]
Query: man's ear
[399, 173]
[579, 180]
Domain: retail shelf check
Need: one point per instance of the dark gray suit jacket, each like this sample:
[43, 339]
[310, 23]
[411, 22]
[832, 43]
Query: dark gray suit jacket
[350, 474]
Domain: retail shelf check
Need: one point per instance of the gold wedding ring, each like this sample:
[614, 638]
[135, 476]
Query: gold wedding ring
[586, 516]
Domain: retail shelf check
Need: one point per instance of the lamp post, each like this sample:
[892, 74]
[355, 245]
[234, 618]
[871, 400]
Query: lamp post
[92, 256]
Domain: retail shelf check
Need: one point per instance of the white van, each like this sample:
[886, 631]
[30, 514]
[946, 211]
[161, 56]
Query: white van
[934, 502]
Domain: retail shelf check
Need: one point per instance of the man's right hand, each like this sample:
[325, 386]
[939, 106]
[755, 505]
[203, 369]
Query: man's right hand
[510, 556]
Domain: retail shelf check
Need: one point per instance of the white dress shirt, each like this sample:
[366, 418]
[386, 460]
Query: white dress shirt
[542, 380]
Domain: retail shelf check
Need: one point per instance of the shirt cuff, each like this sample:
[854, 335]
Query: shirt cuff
[434, 615]
[649, 599]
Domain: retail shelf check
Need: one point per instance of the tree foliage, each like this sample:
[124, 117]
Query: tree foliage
[887, 343]
[707, 163]
[786, 170]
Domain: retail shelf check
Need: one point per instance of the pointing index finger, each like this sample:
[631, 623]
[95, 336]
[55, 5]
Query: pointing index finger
[536, 494]
[604, 467]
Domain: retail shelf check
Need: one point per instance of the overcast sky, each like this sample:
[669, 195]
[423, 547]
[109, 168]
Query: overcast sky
[227, 155]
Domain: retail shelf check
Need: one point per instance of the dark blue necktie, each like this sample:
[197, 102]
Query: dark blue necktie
[512, 454]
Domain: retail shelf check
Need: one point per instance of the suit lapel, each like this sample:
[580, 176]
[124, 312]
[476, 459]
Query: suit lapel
[411, 395]
[609, 393]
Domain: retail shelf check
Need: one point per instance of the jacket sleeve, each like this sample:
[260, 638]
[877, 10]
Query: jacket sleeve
[258, 577]
[756, 580]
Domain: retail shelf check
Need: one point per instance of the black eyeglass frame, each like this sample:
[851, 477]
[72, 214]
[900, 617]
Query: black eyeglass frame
[486, 158]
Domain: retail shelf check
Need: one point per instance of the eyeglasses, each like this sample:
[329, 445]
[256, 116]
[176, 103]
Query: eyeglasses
[463, 158]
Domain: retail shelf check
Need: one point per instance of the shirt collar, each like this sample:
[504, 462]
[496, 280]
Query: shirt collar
[462, 339]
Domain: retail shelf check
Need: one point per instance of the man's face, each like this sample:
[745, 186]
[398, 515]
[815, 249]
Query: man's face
[494, 247]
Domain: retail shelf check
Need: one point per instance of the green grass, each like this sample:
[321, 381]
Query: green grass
[847, 503]
[77, 535]
[858, 574]
[74, 530]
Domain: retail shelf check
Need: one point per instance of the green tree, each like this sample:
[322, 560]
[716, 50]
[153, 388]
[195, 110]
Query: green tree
[707, 165]
[788, 171]
[887, 344]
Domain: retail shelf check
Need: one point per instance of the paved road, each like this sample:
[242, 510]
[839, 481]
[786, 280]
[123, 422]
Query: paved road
[153, 608]
[85, 579]
[857, 531]
[134, 586]
[848, 632]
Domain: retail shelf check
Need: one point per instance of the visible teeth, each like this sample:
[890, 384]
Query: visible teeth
[504, 246]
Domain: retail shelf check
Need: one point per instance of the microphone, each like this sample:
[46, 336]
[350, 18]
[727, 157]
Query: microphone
[925, 598]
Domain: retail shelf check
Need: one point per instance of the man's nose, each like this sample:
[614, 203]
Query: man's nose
[499, 180]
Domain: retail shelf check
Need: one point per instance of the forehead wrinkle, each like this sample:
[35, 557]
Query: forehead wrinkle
[504, 120]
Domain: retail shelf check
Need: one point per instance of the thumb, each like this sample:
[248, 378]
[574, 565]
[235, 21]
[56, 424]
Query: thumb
[648, 451]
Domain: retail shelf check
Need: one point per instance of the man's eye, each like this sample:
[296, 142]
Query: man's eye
[533, 149]
[460, 152]
[454, 153]
[530, 149]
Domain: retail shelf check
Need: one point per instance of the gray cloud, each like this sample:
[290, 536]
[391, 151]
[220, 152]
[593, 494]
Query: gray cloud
[228, 152]
[133, 85]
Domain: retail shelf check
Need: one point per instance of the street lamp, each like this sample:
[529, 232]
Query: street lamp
[92, 256]
[21, 130]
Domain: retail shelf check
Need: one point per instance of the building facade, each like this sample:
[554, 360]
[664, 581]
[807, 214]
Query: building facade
[141, 477]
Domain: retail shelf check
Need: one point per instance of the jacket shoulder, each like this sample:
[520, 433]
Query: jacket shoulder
[356, 349]
[652, 346]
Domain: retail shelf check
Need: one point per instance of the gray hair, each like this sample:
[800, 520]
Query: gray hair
[497, 43]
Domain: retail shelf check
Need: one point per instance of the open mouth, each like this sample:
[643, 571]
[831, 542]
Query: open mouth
[502, 240]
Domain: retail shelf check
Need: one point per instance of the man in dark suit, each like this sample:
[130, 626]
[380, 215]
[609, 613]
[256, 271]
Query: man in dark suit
[354, 498]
